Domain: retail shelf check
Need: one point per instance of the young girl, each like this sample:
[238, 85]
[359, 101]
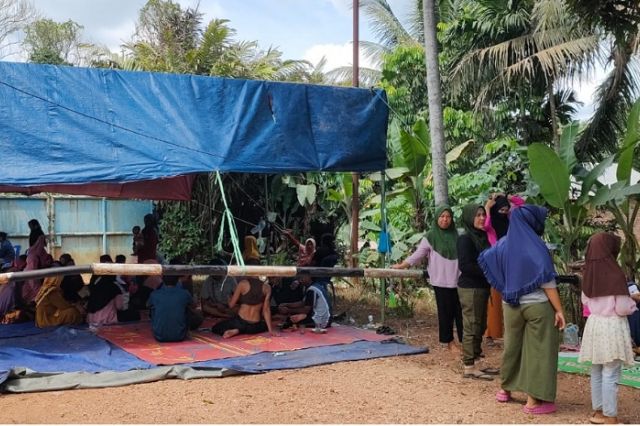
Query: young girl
[607, 339]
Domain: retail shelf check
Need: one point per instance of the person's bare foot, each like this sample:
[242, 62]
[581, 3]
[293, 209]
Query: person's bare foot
[230, 333]
[532, 402]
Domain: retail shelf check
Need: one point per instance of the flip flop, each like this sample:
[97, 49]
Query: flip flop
[492, 371]
[544, 408]
[503, 396]
[478, 376]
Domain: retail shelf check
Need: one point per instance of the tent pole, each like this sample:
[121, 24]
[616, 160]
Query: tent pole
[383, 216]
[266, 217]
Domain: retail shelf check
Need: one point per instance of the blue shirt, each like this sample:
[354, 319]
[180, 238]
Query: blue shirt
[7, 252]
[168, 308]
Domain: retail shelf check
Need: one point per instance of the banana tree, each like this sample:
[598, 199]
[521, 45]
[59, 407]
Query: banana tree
[554, 173]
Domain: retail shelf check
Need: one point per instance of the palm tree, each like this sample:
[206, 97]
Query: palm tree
[436, 125]
[618, 25]
[390, 33]
[520, 48]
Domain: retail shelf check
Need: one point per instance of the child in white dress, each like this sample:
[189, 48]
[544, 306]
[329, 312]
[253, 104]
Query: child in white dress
[607, 339]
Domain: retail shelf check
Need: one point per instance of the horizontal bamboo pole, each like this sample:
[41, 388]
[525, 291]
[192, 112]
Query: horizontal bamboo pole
[233, 270]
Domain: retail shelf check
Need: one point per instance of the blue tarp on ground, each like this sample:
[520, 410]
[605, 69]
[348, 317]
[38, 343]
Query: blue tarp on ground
[73, 350]
[78, 125]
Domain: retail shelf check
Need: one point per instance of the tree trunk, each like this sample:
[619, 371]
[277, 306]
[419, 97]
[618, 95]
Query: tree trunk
[554, 116]
[436, 125]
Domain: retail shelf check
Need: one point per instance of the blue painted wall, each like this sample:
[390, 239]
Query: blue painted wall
[86, 227]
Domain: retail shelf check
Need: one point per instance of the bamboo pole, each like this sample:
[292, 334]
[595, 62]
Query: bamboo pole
[234, 271]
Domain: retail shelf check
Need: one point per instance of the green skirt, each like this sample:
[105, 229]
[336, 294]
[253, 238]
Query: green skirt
[530, 358]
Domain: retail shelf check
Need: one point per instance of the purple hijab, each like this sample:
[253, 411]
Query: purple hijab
[520, 262]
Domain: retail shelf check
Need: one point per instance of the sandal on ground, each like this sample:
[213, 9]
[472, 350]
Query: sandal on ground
[477, 375]
[385, 330]
[503, 396]
[492, 371]
[543, 408]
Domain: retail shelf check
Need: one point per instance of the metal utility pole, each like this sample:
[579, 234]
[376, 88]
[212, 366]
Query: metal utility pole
[355, 201]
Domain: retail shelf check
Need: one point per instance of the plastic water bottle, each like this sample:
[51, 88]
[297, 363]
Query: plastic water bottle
[393, 301]
[570, 335]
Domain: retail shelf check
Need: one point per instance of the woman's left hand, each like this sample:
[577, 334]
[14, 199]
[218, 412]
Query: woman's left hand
[560, 321]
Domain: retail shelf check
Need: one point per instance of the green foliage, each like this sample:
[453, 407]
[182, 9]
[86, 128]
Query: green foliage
[172, 39]
[50, 42]
[629, 143]
[403, 77]
[181, 234]
[550, 173]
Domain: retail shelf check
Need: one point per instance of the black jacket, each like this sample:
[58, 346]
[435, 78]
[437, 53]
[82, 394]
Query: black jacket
[471, 275]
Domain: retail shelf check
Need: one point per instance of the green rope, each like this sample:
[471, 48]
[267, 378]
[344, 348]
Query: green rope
[232, 225]
[219, 247]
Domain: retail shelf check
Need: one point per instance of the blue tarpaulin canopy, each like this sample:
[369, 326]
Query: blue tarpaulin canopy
[66, 125]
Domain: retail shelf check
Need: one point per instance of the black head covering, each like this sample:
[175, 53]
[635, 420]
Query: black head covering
[500, 221]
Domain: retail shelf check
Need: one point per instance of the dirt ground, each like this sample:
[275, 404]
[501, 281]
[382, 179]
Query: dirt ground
[424, 388]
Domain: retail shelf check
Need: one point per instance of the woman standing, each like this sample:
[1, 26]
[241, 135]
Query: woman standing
[37, 258]
[521, 269]
[305, 251]
[473, 290]
[496, 224]
[149, 248]
[607, 340]
[439, 248]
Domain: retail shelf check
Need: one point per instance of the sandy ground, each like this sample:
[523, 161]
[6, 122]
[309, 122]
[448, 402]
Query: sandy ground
[410, 389]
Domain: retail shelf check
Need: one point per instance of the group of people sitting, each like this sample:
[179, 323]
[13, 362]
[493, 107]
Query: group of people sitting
[250, 305]
[500, 267]
[243, 305]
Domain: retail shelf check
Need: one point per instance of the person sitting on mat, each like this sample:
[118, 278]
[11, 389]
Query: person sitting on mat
[216, 293]
[254, 313]
[169, 311]
[314, 310]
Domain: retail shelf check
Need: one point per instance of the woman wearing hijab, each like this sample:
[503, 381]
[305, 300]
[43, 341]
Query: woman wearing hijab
[52, 309]
[496, 224]
[473, 291]
[439, 248]
[606, 341]
[149, 248]
[521, 269]
[251, 252]
[37, 258]
[105, 298]
[305, 251]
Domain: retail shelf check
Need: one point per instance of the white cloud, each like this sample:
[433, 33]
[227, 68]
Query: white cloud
[338, 55]
[585, 90]
[211, 8]
[342, 6]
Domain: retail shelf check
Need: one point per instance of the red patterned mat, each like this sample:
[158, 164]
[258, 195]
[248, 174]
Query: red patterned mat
[138, 340]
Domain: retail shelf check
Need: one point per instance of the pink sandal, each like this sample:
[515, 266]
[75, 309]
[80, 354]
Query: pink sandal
[503, 396]
[543, 408]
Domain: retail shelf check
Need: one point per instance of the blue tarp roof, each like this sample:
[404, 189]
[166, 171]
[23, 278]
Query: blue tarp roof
[79, 125]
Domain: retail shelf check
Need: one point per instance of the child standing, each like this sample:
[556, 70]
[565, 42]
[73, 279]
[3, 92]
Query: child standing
[607, 340]
[138, 240]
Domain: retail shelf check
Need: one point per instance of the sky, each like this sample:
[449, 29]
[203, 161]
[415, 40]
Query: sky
[301, 29]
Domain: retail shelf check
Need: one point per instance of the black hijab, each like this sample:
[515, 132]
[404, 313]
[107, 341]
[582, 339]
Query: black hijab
[500, 221]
